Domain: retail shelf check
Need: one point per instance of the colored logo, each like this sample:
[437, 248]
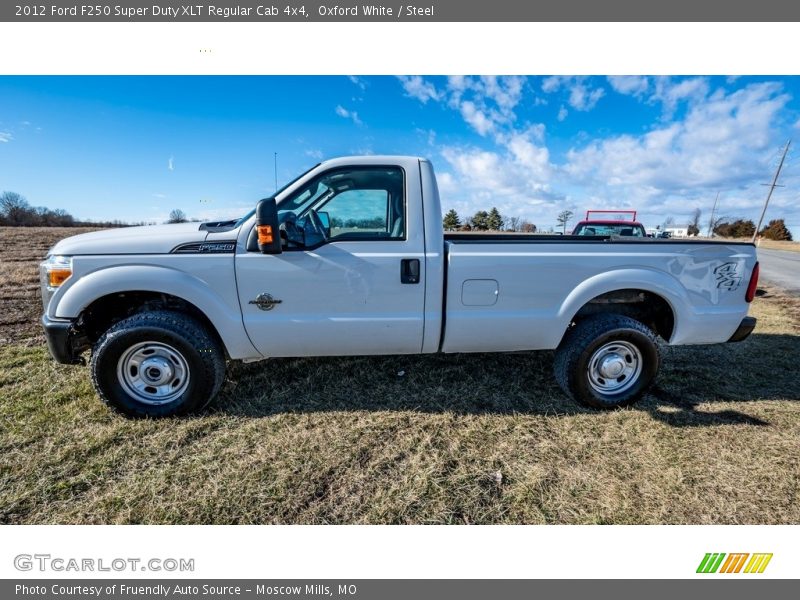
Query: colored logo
[719, 562]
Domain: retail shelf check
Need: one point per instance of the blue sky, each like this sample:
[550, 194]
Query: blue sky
[134, 148]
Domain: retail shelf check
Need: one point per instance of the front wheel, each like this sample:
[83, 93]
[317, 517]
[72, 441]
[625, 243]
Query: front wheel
[157, 364]
[607, 361]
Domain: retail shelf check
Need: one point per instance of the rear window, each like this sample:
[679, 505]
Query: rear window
[622, 229]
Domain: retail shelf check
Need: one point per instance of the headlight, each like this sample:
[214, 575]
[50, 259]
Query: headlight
[53, 273]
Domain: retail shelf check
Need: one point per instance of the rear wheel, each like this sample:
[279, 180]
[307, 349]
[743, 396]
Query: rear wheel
[157, 364]
[607, 361]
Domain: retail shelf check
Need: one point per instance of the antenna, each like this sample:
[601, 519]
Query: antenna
[711, 221]
[276, 171]
[772, 187]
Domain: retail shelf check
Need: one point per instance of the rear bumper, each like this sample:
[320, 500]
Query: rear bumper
[63, 341]
[745, 329]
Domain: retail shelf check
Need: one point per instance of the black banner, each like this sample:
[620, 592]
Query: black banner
[401, 11]
[397, 589]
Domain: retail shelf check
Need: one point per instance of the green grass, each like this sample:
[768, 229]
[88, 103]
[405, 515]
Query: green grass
[453, 439]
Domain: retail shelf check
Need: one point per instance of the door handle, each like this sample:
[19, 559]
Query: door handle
[409, 270]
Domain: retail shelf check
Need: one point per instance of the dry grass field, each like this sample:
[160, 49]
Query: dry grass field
[433, 439]
[775, 245]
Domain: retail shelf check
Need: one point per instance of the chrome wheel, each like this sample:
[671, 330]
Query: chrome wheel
[615, 367]
[153, 372]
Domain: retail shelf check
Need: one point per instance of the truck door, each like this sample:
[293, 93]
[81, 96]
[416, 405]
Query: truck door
[355, 285]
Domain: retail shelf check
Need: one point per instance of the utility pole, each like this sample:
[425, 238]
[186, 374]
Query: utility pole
[772, 187]
[711, 221]
[276, 171]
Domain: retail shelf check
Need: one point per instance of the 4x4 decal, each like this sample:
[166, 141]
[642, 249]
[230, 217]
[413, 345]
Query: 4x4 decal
[727, 276]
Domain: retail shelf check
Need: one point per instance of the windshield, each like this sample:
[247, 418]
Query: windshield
[607, 229]
[292, 182]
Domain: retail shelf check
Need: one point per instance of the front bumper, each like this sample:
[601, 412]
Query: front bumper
[745, 329]
[64, 341]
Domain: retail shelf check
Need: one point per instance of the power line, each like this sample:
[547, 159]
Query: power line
[772, 187]
[711, 221]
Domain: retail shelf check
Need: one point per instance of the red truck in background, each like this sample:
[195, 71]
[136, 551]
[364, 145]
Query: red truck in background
[605, 227]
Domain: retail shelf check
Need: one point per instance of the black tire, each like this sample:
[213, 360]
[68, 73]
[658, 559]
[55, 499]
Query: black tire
[624, 343]
[186, 357]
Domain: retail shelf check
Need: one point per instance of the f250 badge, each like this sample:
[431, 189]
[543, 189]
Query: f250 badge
[727, 276]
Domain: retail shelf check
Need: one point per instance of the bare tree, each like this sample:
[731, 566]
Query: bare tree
[694, 224]
[177, 216]
[15, 210]
[563, 218]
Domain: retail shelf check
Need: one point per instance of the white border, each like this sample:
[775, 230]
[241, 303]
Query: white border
[399, 48]
[431, 552]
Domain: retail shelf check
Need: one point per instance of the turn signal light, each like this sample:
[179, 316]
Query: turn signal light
[58, 276]
[264, 234]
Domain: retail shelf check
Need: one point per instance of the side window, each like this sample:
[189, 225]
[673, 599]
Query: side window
[359, 213]
[366, 203]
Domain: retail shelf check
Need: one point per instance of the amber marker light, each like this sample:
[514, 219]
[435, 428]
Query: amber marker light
[58, 276]
[265, 234]
[57, 269]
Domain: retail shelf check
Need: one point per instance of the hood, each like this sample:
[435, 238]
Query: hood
[150, 239]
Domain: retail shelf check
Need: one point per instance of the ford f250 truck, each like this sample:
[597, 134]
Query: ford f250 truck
[350, 259]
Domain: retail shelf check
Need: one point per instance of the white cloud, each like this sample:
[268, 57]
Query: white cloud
[723, 143]
[671, 94]
[476, 118]
[562, 113]
[584, 98]
[515, 178]
[485, 103]
[506, 92]
[314, 153]
[416, 87]
[348, 114]
[631, 85]
[5, 136]
[428, 134]
[357, 81]
[171, 163]
[581, 95]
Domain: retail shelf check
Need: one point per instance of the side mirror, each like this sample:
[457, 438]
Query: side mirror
[269, 239]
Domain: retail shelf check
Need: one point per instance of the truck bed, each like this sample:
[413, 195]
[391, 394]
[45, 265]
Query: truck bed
[534, 238]
[521, 291]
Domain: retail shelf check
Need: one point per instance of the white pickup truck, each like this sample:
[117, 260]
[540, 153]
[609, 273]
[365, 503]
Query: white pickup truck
[350, 259]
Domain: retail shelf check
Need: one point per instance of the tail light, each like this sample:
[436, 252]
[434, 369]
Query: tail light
[751, 287]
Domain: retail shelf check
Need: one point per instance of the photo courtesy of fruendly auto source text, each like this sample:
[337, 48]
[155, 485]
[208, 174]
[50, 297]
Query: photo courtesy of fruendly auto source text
[528, 271]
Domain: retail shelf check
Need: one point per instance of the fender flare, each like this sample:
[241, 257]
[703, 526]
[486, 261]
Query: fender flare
[166, 280]
[655, 282]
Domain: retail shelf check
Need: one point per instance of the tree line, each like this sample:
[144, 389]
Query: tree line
[486, 221]
[16, 211]
[740, 228]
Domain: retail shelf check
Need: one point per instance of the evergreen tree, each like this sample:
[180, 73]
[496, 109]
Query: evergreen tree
[494, 221]
[737, 229]
[776, 230]
[451, 221]
[480, 220]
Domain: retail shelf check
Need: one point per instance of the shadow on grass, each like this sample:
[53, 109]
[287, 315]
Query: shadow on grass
[761, 368]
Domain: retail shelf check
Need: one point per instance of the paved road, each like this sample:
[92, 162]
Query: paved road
[781, 268]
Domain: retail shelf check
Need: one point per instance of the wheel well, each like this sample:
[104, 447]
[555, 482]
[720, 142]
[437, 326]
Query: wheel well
[104, 312]
[646, 307]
